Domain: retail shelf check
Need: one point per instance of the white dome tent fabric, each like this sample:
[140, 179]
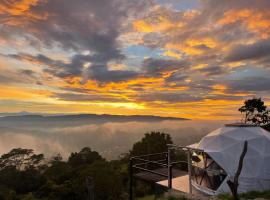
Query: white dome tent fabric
[225, 145]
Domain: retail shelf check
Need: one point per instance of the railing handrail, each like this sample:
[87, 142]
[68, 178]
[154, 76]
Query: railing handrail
[147, 155]
[147, 162]
[150, 171]
[184, 147]
[152, 161]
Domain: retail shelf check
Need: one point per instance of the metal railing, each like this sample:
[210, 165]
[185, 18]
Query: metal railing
[145, 163]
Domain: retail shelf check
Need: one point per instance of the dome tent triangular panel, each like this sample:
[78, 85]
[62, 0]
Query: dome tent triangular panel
[225, 145]
[216, 143]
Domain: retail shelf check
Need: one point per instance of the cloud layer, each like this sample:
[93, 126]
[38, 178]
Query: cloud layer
[110, 139]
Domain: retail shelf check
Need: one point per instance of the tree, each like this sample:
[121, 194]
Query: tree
[59, 172]
[21, 159]
[22, 182]
[85, 156]
[255, 112]
[57, 158]
[107, 180]
[20, 178]
[154, 142]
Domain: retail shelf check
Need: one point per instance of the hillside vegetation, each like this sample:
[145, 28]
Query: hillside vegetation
[25, 175]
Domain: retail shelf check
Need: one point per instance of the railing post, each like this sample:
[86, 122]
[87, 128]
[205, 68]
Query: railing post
[189, 171]
[131, 179]
[169, 169]
[170, 183]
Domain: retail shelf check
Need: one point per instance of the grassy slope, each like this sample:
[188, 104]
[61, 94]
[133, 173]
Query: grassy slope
[249, 195]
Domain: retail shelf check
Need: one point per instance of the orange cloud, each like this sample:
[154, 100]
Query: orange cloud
[208, 42]
[190, 50]
[191, 46]
[19, 93]
[219, 89]
[199, 66]
[40, 101]
[125, 89]
[19, 11]
[235, 64]
[161, 23]
[255, 21]
[17, 7]
[143, 26]
[172, 54]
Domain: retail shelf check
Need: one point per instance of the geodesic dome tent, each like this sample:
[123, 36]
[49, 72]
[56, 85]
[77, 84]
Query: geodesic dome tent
[224, 147]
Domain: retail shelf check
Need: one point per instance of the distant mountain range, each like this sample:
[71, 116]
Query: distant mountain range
[27, 115]
[18, 114]
[24, 113]
[38, 119]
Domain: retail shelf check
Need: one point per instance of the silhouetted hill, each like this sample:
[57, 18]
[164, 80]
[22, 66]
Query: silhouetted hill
[76, 119]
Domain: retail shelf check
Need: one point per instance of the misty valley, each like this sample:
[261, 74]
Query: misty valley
[109, 135]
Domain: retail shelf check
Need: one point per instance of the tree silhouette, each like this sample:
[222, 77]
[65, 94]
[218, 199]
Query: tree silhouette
[21, 159]
[85, 157]
[154, 142]
[256, 112]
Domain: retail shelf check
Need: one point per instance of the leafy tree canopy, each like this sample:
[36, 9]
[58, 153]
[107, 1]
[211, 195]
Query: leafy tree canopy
[255, 112]
[154, 142]
[25, 175]
[85, 156]
[21, 159]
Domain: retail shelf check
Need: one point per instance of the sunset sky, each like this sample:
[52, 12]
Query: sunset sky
[198, 59]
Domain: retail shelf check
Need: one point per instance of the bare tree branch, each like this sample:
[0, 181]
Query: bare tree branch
[234, 184]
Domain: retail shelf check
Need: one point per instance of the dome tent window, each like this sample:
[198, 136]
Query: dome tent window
[207, 173]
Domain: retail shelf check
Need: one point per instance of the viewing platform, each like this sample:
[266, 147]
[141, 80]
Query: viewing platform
[163, 169]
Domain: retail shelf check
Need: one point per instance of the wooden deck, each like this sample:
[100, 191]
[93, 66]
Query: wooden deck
[178, 183]
[181, 184]
[180, 179]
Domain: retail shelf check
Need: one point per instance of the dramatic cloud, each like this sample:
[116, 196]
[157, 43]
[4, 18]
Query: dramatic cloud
[212, 71]
[134, 57]
[253, 52]
[80, 26]
[169, 97]
[80, 65]
[87, 97]
[158, 66]
[254, 84]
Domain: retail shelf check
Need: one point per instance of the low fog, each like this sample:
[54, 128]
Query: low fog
[110, 139]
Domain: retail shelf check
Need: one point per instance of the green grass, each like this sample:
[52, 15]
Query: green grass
[256, 194]
[248, 195]
[225, 197]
